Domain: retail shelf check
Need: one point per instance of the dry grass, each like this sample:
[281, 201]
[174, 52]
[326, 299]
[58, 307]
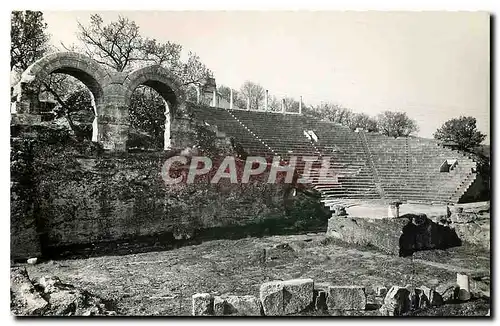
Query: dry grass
[161, 283]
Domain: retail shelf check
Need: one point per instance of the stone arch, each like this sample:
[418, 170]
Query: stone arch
[166, 84]
[77, 65]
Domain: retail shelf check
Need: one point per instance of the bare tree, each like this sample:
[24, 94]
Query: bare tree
[116, 45]
[291, 105]
[274, 104]
[254, 92]
[120, 46]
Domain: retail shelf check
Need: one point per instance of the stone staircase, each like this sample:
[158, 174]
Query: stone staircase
[365, 166]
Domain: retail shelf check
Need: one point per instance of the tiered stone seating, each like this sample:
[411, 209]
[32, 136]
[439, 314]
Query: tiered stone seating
[366, 165]
[409, 168]
[227, 124]
[348, 158]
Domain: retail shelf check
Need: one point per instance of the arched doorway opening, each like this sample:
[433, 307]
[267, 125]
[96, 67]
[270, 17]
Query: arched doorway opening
[164, 101]
[66, 79]
[65, 100]
[149, 117]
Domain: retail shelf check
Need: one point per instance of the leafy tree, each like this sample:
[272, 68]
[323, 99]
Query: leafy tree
[192, 72]
[330, 112]
[396, 124]
[462, 131]
[147, 115]
[363, 120]
[224, 92]
[29, 40]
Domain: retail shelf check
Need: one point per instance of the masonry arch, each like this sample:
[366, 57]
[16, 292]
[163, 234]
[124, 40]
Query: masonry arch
[77, 65]
[166, 85]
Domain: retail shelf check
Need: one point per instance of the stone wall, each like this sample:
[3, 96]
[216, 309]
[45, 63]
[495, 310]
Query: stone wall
[399, 236]
[472, 223]
[75, 194]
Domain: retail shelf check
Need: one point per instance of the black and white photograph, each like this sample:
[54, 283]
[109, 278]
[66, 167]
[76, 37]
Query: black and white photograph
[251, 163]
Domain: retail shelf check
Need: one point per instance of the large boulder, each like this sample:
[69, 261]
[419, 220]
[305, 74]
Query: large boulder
[297, 295]
[346, 298]
[271, 297]
[247, 305]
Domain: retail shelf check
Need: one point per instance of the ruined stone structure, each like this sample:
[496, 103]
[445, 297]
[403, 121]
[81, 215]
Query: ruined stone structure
[111, 91]
[65, 193]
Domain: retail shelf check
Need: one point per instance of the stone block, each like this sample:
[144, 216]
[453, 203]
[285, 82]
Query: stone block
[396, 302]
[297, 295]
[464, 287]
[349, 297]
[203, 304]
[232, 305]
[271, 297]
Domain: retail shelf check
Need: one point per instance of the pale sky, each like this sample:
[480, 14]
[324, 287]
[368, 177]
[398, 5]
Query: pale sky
[432, 65]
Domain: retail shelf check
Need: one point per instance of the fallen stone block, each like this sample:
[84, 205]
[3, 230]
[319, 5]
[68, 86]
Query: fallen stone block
[232, 305]
[396, 302]
[203, 304]
[297, 295]
[32, 261]
[448, 291]
[26, 300]
[349, 297]
[271, 297]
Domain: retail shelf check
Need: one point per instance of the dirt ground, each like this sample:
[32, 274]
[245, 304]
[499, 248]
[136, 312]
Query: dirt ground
[162, 283]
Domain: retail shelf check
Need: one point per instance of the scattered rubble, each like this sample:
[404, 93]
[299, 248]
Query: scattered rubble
[291, 297]
[50, 297]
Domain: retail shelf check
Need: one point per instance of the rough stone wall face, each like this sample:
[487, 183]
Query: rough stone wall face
[85, 196]
[22, 221]
[397, 236]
